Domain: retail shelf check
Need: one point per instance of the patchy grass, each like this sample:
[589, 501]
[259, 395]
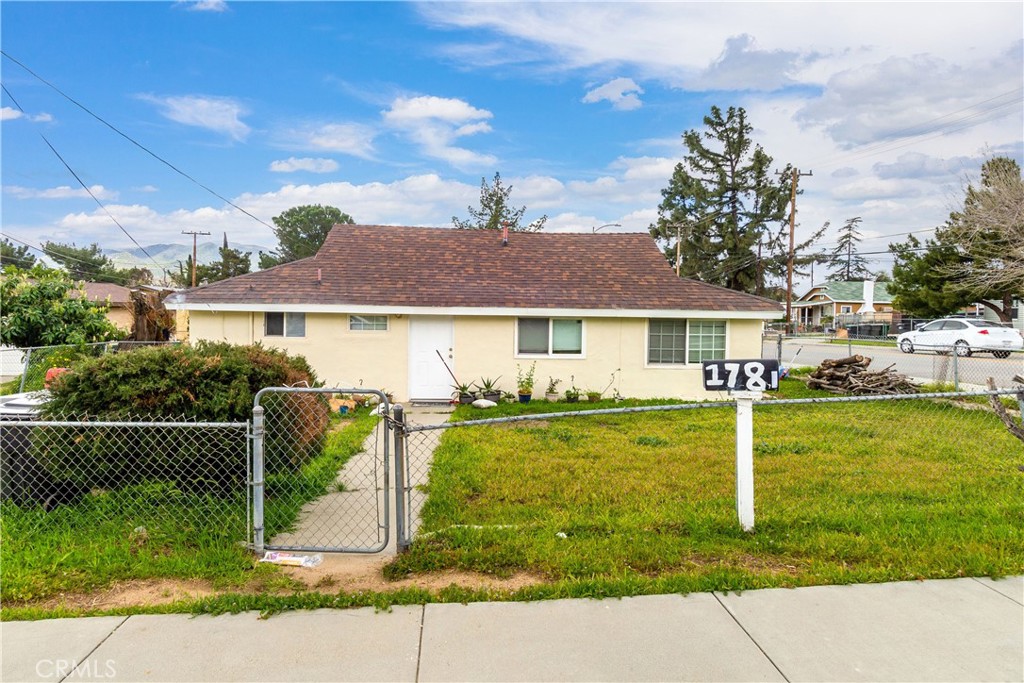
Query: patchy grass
[844, 493]
[155, 531]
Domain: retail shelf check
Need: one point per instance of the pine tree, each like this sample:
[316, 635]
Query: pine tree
[726, 207]
[495, 210]
[846, 263]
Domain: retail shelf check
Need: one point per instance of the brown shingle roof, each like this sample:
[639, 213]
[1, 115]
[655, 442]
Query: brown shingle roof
[377, 265]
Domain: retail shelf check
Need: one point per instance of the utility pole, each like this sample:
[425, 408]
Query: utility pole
[194, 234]
[789, 261]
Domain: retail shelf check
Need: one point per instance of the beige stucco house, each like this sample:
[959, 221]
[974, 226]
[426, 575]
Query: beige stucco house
[118, 298]
[388, 307]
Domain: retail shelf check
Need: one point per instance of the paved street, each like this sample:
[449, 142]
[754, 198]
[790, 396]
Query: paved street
[924, 366]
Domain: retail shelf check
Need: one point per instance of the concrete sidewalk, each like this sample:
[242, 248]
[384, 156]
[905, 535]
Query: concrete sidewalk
[951, 630]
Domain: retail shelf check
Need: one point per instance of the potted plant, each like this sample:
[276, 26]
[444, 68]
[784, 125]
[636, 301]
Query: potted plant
[524, 382]
[593, 396]
[551, 393]
[489, 388]
[572, 394]
[465, 392]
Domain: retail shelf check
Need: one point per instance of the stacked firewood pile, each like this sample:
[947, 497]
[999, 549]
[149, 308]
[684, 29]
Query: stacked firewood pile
[851, 376]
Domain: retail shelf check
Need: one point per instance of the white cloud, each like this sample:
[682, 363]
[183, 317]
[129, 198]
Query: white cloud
[754, 42]
[62, 192]
[146, 188]
[405, 109]
[354, 139]
[9, 114]
[204, 5]
[623, 93]
[293, 164]
[218, 114]
[435, 123]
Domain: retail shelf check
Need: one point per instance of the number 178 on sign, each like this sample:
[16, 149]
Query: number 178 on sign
[761, 374]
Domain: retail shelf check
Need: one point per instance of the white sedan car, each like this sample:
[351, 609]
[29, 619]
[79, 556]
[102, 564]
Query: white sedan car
[963, 336]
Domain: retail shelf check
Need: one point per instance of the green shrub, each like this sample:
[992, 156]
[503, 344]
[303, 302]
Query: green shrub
[212, 382]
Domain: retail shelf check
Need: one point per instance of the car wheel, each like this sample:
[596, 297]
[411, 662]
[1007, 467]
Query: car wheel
[906, 346]
[962, 349]
[1001, 354]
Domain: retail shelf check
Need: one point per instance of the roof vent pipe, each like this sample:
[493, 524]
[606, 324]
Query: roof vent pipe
[504, 234]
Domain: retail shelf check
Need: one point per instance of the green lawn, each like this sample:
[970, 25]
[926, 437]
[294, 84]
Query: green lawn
[155, 531]
[645, 502]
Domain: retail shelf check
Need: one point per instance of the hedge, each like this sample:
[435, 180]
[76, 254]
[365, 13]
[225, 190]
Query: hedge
[211, 382]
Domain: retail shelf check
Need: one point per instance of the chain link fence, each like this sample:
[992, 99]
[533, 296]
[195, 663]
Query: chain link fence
[927, 366]
[838, 444]
[184, 484]
[321, 478]
[24, 369]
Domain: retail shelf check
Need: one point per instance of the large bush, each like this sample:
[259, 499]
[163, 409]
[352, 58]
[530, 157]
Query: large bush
[212, 382]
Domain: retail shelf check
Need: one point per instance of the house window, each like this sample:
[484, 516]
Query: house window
[550, 336]
[845, 309]
[675, 342]
[706, 340]
[284, 324]
[368, 322]
[666, 341]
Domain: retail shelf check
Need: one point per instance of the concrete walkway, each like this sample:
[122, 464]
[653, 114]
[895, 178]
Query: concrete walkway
[951, 630]
[353, 517]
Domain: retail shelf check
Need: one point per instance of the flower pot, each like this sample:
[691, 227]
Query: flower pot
[572, 399]
[551, 396]
[493, 396]
[525, 398]
[466, 398]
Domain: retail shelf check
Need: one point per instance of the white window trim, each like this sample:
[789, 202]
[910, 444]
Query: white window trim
[550, 318]
[684, 365]
[845, 310]
[387, 322]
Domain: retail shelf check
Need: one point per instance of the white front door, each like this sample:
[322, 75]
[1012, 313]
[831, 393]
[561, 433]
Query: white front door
[428, 378]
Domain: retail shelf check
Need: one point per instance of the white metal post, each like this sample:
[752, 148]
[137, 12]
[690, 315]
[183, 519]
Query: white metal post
[745, 457]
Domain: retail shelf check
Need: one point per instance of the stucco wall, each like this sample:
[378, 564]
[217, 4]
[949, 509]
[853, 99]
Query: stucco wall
[484, 347]
[121, 317]
[341, 357]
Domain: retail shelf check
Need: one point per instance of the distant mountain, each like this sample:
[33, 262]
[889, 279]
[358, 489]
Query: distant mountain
[168, 256]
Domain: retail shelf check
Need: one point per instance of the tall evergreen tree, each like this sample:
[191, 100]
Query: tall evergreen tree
[495, 210]
[726, 207]
[845, 262]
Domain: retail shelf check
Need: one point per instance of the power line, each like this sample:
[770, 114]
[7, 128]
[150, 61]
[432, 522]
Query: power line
[135, 142]
[924, 129]
[82, 183]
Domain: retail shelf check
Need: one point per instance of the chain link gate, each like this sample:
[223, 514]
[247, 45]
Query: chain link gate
[313, 491]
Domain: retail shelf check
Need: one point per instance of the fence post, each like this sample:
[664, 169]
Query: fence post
[778, 349]
[257, 478]
[401, 542]
[24, 370]
[745, 457]
[956, 368]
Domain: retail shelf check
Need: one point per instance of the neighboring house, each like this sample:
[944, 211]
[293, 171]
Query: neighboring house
[844, 302]
[383, 306]
[118, 298]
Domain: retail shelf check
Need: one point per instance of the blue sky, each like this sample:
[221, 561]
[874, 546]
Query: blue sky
[394, 112]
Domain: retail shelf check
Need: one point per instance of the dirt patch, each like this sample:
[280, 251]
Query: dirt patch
[133, 593]
[351, 573]
[337, 573]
